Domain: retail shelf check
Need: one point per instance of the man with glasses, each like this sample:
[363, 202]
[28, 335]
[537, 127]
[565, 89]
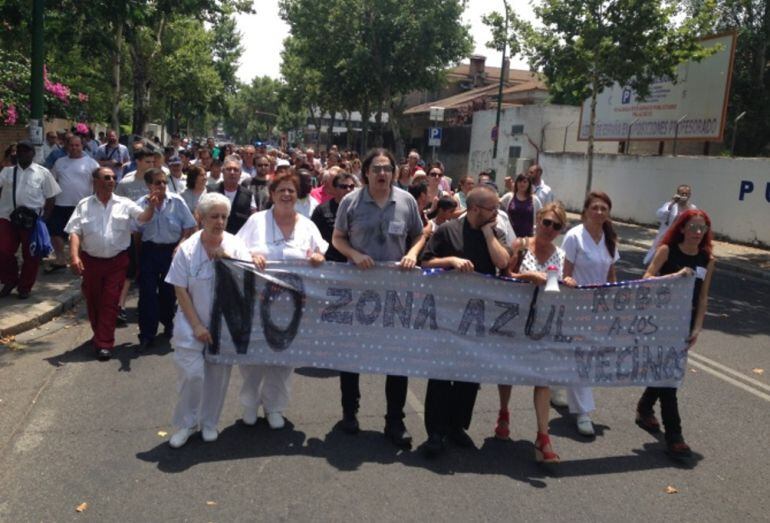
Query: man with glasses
[171, 223]
[325, 214]
[543, 192]
[113, 154]
[258, 185]
[99, 234]
[378, 223]
[468, 244]
[247, 155]
[240, 197]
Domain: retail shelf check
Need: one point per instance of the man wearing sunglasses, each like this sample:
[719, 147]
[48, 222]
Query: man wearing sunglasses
[171, 223]
[99, 234]
[325, 214]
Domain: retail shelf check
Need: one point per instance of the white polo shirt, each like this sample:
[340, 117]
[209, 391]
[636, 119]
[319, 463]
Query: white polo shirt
[104, 230]
[74, 178]
[34, 185]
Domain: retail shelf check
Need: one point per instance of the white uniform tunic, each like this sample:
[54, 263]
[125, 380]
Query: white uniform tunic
[202, 386]
[269, 385]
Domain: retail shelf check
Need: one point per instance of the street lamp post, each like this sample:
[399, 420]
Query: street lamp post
[36, 86]
[500, 87]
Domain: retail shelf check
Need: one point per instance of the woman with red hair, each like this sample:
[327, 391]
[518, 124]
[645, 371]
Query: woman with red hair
[686, 247]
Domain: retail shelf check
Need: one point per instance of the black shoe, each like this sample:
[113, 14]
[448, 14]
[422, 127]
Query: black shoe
[122, 319]
[168, 331]
[6, 290]
[678, 450]
[349, 424]
[435, 446]
[399, 436]
[144, 344]
[103, 354]
[23, 295]
[461, 438]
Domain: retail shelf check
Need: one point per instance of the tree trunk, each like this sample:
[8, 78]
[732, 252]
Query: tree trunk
[116, 58]
[394, 120]
[378, 138]
[349, 127]
[139, 118]
[330, 130]
[364, 127]
[591, 130]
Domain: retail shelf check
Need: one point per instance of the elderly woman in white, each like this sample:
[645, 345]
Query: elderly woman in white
[202, 385]
[279, 233]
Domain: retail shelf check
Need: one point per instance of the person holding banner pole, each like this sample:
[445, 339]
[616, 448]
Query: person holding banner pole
[378, 223]
[591, 253]
[686, 247]
[530, 263]
[202, 386]
[469, 244]
[279, 233]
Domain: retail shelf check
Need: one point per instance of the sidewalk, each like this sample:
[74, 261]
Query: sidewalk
[55, 293]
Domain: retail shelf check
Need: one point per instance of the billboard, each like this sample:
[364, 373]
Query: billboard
[698, 98]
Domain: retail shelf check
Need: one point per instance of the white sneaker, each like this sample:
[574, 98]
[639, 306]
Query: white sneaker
[275, 420]
[209, 435]
[249, 416]
[180, 437]
[585, 426]
[559, 397]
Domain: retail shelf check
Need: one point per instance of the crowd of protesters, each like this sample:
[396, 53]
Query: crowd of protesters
[160, 217]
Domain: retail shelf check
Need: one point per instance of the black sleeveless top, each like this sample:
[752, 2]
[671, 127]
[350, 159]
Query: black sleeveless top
[677, 260]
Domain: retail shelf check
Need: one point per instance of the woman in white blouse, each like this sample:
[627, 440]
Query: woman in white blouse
[591, 252]
[201, 385]
[530, 263]
[279, 233]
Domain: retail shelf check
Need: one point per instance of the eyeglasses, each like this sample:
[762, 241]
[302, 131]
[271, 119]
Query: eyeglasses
[107, 178]
[556, 226]
[697, 228]
[381, 169]
[434, 174]
[346, 186]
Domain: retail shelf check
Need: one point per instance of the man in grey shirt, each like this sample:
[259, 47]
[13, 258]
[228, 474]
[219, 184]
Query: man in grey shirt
[378, 223]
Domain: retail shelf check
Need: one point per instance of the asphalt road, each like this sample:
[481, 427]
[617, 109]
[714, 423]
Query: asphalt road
[74, 430]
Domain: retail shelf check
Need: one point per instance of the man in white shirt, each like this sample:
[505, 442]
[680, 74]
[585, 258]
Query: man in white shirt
[113, 154]
[34, 189]
[248, 155]
[51, 144]
[100, 233]
[543, 192]
[73, 173]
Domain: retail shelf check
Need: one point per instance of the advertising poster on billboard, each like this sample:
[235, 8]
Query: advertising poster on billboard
[698, 101]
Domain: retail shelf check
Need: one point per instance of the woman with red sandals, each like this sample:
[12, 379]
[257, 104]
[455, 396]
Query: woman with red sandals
[530, 262]
[686, 247]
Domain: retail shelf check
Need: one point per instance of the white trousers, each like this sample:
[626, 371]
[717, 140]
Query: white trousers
[580, 400]
[266, 385]
[202, 387]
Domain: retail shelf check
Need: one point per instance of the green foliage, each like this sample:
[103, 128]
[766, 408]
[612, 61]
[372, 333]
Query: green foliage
[252, 110]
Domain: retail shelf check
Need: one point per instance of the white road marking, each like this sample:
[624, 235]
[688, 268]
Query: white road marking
[747, 379]
[728, 379]
[415, 403]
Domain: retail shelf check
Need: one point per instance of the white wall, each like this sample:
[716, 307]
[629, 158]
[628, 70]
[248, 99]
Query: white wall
[638, 185]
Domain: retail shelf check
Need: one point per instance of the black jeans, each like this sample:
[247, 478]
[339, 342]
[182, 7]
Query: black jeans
[395, 396]
[449, 405]
[669, 410]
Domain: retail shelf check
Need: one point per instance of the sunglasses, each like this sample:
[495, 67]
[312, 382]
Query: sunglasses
[378, 169]
[697, 227]
[434, 174]
[556, 226]
[346, 186]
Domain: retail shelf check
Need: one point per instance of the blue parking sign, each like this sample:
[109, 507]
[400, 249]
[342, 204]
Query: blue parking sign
[434, 137]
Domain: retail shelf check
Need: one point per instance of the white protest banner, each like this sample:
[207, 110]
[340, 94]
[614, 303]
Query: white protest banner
[450, 325]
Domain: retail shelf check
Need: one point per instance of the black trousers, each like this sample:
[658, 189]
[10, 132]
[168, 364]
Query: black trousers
[449, 405]
[669, 410]
[395, 395]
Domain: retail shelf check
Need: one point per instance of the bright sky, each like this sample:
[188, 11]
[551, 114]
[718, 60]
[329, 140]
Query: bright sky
[262, 36]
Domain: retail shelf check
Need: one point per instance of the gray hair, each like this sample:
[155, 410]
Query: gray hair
[210, 200]
[234, 158]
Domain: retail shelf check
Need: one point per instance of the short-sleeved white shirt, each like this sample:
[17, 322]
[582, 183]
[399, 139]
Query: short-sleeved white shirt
[263, 236]
[105, 229]
[193, 270]
[34, 185]
[591, 260]
[74, 178]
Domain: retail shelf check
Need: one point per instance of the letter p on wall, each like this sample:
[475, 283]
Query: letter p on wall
[746, 188]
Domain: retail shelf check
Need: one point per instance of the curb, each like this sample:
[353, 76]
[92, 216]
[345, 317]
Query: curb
[735, 267]
[66, 301]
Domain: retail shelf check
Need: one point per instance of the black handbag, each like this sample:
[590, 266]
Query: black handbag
[22, 217]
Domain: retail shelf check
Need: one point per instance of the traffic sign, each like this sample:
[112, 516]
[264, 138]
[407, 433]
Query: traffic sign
[434, 137]
[437, 114]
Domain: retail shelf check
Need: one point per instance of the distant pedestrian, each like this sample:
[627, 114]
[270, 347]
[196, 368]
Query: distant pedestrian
[522, 206]
[542, 190]
[113, 154]
[667, 214]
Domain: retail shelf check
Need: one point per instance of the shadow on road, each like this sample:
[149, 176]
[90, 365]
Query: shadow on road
[125, 353]
[513, 459]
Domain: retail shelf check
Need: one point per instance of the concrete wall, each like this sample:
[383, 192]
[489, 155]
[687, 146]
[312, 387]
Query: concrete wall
[735, 192]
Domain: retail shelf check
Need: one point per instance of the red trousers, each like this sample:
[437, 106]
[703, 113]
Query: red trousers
[102, 282]
[10, 238]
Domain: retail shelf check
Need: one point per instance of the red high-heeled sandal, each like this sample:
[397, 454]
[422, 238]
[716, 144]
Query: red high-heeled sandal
[541, 455]
[503, 420]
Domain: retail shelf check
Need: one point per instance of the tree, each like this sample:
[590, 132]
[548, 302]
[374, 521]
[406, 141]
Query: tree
[369, 52]
[750, 83]
[252, 110]
[586, 46]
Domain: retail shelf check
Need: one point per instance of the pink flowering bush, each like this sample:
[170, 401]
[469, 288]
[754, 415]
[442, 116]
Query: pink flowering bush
[58, 98]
